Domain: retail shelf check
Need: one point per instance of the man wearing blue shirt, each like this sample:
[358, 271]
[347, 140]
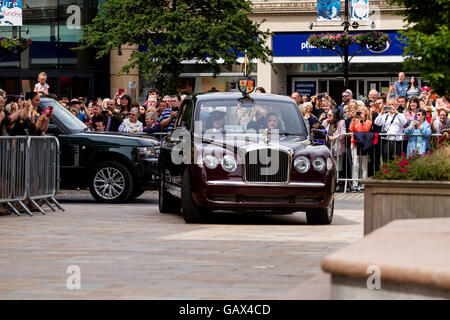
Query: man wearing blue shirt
[401, 85]
[169, 115]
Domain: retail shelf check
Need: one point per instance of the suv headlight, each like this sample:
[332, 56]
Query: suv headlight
[211, 162]
[301, 164]
[318, 164]
[229, 163]
[148, 152]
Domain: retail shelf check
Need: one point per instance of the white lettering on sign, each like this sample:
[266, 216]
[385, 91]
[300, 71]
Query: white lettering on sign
[306, 45]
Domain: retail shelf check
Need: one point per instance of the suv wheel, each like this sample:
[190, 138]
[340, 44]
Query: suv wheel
[192, 213]
[320, 216]
[167, 202]
[111, 182]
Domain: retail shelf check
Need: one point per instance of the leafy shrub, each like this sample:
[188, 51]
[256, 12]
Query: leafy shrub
[434, 165]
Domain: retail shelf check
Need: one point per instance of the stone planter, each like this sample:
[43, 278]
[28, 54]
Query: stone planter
[387, 200]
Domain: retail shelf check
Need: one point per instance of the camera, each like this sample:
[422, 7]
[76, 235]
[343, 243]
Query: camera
[358, 113]
[387, 108]
[175, 108]
[105, 112]
[400, 109]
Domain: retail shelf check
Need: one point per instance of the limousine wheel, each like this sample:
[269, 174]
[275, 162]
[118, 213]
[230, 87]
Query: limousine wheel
[111, 182]
[192, 213]
[320, 216]
[167, 202]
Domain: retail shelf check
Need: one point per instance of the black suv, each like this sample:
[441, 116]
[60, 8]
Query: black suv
[116, 167]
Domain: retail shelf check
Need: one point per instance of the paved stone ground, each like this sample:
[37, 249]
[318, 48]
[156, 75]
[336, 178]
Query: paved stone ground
[131, 251]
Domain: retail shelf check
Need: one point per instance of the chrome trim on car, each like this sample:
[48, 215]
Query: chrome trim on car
[274, 184]
[276, 147]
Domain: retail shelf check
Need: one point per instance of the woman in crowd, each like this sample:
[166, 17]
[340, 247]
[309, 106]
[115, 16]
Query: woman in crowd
[411, 108]
[151, 124]
[418, 144]
[429, 114]
[131, 124]
[440, 121]
[414, 89]
[362, 122]
[125, 104]
[335, 126]
[308, 114]
[25, 124]
[317, 104]
[326, 106]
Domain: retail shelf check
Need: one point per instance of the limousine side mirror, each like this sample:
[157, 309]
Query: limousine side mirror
[53, 129]
[318, 134]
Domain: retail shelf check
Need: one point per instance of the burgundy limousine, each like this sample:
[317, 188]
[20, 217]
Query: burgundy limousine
[245, 154]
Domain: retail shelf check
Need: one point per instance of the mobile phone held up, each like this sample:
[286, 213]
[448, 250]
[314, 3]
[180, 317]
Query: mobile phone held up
[48, 111]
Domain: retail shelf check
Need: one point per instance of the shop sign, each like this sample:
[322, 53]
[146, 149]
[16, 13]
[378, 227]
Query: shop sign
[10, 13]
[308, 88]
[296, 45]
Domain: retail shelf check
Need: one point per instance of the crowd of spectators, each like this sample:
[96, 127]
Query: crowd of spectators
[407, 109]
[405, 120]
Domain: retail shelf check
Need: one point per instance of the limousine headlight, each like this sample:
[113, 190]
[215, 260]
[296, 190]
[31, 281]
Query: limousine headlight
[148, 152]
[229, 163]
[318, 164]
[301, 164]
[211, 162]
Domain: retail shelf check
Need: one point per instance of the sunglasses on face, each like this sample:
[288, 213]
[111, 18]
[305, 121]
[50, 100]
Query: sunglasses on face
[345, 96]
[135, 105]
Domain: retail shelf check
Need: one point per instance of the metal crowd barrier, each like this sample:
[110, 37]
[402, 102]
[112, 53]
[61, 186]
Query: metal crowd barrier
[350, 170]
[29, 173]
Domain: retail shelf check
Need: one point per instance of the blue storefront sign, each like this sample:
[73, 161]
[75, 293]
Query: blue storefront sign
[308, 88]
[296, 45]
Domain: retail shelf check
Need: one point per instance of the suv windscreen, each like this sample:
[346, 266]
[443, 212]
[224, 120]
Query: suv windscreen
[64, 116]
[235, 117]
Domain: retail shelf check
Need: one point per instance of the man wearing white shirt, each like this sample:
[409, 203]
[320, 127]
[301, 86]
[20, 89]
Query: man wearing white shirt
[391, 122]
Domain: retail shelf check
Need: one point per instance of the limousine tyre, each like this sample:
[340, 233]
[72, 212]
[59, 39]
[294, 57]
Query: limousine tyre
[111, 182]
[167, 202]
[320, 216]
[192, 213]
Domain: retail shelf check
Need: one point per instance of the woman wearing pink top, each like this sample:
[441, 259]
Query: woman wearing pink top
[411, 108]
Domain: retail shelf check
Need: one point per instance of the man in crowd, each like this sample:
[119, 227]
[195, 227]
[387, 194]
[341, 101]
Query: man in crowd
[402, 102]
[401, 86]
[64, 100]
[391, 122]
[347, 96]
[169, 115]
[373, 96]
[299, 101]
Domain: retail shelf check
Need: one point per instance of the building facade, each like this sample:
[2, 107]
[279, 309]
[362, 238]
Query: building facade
[54, 26]
[298, 67]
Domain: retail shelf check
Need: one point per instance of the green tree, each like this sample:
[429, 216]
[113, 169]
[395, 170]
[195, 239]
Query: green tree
[173, 31]
[428, 40]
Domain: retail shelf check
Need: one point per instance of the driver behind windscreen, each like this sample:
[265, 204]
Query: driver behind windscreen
[216, 120]
[273, 121]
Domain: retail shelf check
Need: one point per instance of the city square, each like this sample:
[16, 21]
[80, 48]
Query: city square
[224, 151]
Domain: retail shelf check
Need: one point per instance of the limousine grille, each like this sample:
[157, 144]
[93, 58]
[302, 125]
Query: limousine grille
[267, 165]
